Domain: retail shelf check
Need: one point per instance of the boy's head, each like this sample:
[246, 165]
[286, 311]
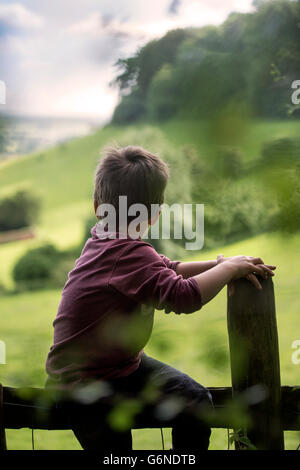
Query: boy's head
[133, 172]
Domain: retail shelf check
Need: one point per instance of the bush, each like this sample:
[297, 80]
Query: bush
[229, 162]
[285, 150]
[34, 269]
[281, 179]
[238, 212]
[18, 211]
[287, 196]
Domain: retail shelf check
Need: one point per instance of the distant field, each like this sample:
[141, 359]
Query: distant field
[196, 344]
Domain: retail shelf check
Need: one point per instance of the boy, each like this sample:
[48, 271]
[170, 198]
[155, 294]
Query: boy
[106, 314]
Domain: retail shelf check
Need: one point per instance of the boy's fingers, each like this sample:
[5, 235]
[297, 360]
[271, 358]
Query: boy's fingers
[253, 279]
[256, 260]
[256, 268]
[267, 272]
[220, 259]
[260, 261]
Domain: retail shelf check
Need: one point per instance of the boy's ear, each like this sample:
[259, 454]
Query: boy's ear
[96, 207]
[154, 219]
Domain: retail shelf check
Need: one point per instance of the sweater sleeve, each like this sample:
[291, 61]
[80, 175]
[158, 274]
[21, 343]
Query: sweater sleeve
[141, 274]
[170, 264]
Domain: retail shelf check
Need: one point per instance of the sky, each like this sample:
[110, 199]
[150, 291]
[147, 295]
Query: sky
[57, 56]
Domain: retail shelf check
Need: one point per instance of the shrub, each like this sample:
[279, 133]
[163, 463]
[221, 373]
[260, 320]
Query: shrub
[18, 211]
[238, 212]
[287, 195]
[281, 179]
[229, 162]
[284, 150]
[35, 267]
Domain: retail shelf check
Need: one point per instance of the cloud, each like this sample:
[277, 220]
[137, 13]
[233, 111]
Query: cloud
[57, 56]
[15, 18]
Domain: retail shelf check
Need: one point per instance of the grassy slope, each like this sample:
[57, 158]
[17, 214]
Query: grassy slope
[63, 177]
[197, 344]
[249, 140]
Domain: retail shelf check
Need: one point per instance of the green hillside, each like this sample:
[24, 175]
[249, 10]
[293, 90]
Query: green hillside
[62, 177]
[197, 344]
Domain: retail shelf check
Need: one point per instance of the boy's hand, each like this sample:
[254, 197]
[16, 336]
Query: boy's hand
[247, 266]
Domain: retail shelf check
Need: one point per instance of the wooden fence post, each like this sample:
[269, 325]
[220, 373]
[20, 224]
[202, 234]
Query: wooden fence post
[2, 429]
[255, 369]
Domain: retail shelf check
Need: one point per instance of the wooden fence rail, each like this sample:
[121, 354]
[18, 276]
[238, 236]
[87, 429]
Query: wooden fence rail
[257, 407]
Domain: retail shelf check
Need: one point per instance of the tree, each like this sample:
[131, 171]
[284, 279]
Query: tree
[18, 211]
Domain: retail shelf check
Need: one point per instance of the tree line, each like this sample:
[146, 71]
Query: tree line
[250, 60]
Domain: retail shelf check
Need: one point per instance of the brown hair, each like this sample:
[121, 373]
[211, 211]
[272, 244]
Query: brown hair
[133, 172]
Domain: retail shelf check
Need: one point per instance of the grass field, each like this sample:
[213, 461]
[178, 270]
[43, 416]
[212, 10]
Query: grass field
[196, 344]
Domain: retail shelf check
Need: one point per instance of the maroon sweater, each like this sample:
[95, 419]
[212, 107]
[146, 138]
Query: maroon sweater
[106, 312]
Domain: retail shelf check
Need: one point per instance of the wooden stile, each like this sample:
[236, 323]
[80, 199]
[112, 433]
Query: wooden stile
[254, 356]
[2, 428]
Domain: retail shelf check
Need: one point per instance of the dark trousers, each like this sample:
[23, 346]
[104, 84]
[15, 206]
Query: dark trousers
[154, 396]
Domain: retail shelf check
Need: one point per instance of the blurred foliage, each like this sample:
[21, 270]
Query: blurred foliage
[280, 170]
[122, 415]
[284, 151]
[241, 439]
[18, 211]
[195, 72]
[230, 162]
